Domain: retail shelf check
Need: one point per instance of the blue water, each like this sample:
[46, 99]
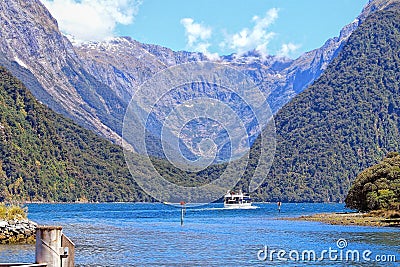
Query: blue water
[151, 235]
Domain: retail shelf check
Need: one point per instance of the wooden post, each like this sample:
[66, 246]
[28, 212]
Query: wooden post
[68, 261]
[49, 248]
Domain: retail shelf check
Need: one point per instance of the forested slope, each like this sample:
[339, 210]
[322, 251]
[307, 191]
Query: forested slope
[46, 157]
[345, 122]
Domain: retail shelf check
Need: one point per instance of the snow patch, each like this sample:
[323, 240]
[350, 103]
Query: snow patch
[20, 62]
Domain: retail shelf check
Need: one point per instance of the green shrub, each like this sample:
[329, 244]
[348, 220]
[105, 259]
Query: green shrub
[16, 213]
[12, 212]
[3, 212]
[377, 187]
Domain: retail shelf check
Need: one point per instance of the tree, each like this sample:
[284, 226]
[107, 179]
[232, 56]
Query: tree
[377, 187]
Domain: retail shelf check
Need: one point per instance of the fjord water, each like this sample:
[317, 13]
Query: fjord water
[122, 234]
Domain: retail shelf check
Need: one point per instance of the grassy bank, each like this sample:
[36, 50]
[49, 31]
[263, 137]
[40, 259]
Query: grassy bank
[12, 212]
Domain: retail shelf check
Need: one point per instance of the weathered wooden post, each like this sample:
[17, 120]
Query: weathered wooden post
[66, 243]
[49, 247]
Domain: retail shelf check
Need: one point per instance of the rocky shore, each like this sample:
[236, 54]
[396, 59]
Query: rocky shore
[17, 232]
[360, 219]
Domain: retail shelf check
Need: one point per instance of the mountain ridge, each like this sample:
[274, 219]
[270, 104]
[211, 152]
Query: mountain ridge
[345, 122]
[46, 157]
[95, 91]
[81, 85]
[32, 39]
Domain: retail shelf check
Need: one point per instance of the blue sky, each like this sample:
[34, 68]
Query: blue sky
[283, 27]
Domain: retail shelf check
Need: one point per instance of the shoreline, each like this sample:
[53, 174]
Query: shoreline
[77, 202]
[349, 219]
[17, 232]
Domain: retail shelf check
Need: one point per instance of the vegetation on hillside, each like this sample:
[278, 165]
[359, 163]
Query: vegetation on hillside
[377, 187]
[46, 157]
[346, 121]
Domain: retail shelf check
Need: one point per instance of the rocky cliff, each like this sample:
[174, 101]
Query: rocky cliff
[34, 49]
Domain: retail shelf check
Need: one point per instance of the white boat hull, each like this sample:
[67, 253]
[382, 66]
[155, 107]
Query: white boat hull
[239, 206]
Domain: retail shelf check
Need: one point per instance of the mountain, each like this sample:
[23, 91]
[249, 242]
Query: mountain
[92, 83]
[324, 132]
[36, 52]
[346, 121]
[46, 157]
[124, 64]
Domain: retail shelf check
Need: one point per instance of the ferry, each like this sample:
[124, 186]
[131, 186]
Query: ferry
[239, 200]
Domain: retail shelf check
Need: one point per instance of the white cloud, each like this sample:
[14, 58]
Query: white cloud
[288, 49]
[195, 31]
[256, 38]
[92, 20]
[197, 37]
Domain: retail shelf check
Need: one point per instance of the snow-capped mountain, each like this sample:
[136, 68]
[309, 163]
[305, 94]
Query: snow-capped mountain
[92, 83]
